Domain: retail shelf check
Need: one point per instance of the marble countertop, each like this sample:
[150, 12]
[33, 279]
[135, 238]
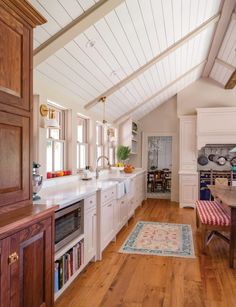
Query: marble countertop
[62, 193]
[227, 194]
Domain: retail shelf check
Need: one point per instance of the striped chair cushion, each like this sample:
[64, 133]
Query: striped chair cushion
[212, 213]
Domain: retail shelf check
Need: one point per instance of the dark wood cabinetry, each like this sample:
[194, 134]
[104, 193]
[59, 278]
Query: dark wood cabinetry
[26, 258]
[17, 19]
[26, 231]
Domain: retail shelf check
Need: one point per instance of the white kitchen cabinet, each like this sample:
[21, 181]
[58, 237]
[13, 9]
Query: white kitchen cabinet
[90, 228]
[188, 176]
[107, 223]
[187, 143]
[123, 211]
[188, 189]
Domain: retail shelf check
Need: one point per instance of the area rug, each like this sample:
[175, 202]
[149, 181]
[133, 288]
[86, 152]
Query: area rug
[161, 239]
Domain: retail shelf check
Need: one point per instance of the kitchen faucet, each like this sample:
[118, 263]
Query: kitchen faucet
[108, 163]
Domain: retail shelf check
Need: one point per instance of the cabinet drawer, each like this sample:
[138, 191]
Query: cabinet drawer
[108, 195]
[90, 202]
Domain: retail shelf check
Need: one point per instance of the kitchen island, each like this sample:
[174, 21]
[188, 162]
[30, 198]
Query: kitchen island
[227, 195]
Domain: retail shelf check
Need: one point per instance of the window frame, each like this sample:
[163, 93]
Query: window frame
[85, 142]
[100, 144]
[62, 140]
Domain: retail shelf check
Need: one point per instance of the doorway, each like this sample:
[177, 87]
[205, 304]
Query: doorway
[159, 166]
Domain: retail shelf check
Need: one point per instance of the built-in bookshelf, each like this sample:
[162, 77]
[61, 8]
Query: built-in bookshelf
[69, 262]
[129, 135]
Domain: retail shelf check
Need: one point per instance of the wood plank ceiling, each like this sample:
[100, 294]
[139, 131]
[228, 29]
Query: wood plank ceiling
[225, 64]
[124, 41]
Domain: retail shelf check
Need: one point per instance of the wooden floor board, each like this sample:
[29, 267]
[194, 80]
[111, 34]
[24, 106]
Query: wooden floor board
[124, 280]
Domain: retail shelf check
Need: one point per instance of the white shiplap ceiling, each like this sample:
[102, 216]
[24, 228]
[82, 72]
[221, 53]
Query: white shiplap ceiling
[125, 40]
[225, 63]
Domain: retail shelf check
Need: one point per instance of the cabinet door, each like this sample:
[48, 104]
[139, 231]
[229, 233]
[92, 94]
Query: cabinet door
[14, 159]
[124, 211]
[188, 190]
[107, 223]
[15, 61]
[27, 264]
[90, 233]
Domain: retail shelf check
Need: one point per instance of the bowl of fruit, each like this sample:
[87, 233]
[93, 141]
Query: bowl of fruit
[119, 166]
[128, 168]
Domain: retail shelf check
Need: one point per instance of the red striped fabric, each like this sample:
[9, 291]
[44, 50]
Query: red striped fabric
[212, 213]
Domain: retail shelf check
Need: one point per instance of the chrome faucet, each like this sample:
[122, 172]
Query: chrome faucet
[108, 163]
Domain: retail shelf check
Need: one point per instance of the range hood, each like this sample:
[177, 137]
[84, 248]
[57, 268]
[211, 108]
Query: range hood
[216, 126]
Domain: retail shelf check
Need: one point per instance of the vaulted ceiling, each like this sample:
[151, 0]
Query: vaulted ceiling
[138, 53]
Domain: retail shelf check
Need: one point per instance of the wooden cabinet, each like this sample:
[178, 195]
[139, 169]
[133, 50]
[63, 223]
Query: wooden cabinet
[17, 19]
[26, 250]
[90, 229]
[15, 68]
[107, 224]
[188, 193]
[188, 177]
[188, 148]
[14, 159]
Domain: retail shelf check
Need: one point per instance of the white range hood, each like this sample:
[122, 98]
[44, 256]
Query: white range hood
[216, 126]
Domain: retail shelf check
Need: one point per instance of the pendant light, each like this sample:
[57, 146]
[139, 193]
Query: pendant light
[103, 101]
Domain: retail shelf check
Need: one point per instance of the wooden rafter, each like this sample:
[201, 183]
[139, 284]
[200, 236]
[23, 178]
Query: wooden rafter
[73, 29]
[232, 81]
[226, 15]
[141, 104]
[156, 59]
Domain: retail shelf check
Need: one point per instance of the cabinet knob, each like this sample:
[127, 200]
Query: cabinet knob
[13, 258]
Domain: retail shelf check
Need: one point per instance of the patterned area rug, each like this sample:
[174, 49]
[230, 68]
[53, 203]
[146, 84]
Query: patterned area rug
[161, 239]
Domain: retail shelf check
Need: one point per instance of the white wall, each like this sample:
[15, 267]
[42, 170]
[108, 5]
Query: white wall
[204, 93]
[45, 90]
[164, 121]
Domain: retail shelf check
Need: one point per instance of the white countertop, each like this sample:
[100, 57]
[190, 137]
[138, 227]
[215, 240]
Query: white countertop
[66, 191]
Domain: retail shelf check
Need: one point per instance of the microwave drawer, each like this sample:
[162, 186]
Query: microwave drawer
[90, 202]
[108, 195]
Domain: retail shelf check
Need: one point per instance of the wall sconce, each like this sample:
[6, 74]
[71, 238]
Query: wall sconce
[50, 122]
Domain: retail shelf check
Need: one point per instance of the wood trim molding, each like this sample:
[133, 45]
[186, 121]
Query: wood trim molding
[225, 64]
[226, 15]
[127, 114]
[231, 82]
[73, 29]
[26, 11]
[156, 59]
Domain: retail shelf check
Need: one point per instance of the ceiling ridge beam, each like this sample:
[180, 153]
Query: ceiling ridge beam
[214, 19]
[127, 114]
[225, 64]
[227, 13]
[73, 29]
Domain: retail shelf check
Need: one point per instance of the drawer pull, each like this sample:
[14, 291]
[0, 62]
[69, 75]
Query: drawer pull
[91, 201]
[13, 258]
[110, 205]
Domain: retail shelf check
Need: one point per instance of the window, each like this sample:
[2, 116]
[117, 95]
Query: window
[111, 141]
[56, 142]
[99, 142]
[82, 142]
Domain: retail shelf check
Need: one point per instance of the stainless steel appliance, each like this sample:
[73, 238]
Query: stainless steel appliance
[69, 224]
[37, 181]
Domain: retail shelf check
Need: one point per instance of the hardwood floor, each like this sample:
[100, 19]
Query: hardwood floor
[135, 280]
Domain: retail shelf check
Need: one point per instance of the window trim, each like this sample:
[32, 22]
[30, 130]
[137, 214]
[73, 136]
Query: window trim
[86, 143]
[62, 138]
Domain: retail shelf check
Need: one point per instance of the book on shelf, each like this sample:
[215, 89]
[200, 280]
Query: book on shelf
[68, 264]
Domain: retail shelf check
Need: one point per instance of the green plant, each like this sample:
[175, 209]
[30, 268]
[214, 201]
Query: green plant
[123, 153]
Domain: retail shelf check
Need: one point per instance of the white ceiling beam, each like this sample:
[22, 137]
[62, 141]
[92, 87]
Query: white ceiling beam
[222, 26]
[141, 104]
[72, 30]
[225, 64]
[156, 59]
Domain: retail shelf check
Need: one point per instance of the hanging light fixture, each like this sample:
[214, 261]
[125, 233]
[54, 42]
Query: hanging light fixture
[103, 101]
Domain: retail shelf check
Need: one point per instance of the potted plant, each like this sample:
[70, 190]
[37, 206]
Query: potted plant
[123, 153]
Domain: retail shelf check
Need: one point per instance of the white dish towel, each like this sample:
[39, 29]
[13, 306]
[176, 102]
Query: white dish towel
[127, 186]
